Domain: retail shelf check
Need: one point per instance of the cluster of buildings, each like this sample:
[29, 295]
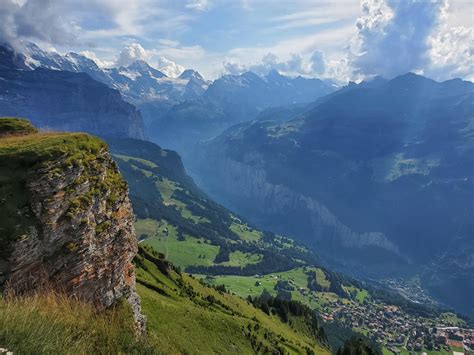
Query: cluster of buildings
[393, 328]
[455, 337]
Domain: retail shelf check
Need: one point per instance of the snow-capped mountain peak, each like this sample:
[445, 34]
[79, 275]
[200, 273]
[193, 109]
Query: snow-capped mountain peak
[191, 74]
[138, 82]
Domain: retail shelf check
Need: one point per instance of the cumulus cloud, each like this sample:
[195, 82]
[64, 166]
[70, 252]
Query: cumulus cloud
[295, 65]
[135, 51]
[169, 68]
[452, 54]
[340, 71]
[131, 53]
[393, 36]
[101, 63]
[34, 20]
[452, 48]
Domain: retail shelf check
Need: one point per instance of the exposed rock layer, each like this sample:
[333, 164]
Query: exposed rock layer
[82, 239]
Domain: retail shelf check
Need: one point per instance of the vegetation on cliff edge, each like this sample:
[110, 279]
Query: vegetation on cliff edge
[15, 126]
[22, 155]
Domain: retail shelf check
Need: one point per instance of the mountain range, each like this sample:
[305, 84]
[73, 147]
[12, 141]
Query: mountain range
[229, 100]
[379, 175]
[63, 100]
[375, 177]
[180, 112]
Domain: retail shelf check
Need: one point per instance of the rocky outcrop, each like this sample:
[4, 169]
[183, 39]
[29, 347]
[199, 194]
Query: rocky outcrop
[82, 240]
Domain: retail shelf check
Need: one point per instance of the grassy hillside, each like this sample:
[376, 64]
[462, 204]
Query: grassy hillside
[220, 248]
[203, 238]
[217, 246]
[279, 281]
[186, 316]
[299, 282]
[195, 233]
[53, 324]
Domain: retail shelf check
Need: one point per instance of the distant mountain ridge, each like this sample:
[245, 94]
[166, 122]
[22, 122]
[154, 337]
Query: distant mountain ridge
[374, 173]
[229, 100]
[179, 112]
[138, 82]
[64, 100]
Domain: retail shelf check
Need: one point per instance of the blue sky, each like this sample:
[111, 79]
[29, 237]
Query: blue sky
[343, 40]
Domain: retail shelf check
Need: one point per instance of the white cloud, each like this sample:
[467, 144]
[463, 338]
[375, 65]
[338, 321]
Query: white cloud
[294, 56]
[168, 42]
[199, 5]
[131, 53]
[37, 20]
[293, 66]
[452, 54]
[169, 67]
[180, 53]
[313, 65]
[159, 57]
[311, 21]
[452, 45]
[306, 37]
[393, 36]
[101, 63]
[317, 14]
[339, 70]
[332, 40]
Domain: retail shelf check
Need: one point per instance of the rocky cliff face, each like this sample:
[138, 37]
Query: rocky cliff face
[251, 182]
[79, 238]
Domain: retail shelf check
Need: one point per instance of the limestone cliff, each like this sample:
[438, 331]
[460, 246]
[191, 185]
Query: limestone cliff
[67, 221]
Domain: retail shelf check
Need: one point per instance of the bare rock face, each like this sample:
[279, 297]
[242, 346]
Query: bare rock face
[83, 241]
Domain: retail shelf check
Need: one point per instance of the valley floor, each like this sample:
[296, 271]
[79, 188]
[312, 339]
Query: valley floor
[395, 330]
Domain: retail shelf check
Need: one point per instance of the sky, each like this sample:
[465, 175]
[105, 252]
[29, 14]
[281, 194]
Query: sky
[341, 40]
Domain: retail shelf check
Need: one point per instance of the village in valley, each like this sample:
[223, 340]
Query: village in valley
[399, 332]
[395, 330]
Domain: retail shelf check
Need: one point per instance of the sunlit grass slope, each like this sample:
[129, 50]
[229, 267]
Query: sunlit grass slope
[53, 324]
[185, 316]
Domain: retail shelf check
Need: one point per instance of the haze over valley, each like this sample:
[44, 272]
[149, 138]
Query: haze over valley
[289, 176]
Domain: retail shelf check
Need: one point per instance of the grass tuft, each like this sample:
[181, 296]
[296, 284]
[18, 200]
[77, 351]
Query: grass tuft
[51, 323]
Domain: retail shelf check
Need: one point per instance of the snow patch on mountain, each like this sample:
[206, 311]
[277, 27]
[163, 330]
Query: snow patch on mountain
[138, 82]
